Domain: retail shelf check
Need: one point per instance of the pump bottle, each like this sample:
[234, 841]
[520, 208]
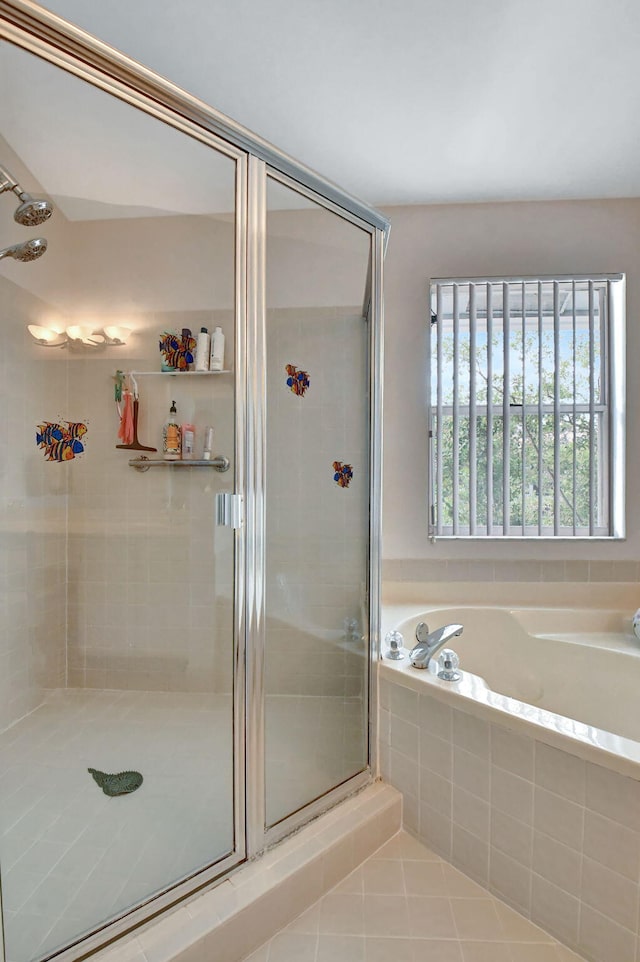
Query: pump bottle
[171, 436]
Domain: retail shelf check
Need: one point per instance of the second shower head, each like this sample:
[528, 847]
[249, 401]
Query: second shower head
[27, 251]
[32, 211]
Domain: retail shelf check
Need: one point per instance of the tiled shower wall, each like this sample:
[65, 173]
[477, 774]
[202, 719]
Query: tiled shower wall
[130, 583]
[150, 576]
[317, 531]
[33, 514]
[555, 836]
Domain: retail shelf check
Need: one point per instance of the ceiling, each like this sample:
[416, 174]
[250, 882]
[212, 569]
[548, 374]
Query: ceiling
[417, 101]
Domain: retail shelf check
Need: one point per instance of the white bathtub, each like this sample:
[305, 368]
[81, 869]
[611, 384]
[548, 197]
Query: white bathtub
[571, 676]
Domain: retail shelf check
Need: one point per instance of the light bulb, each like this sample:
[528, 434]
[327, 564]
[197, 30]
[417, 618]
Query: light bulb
[79, 332]
[118, 334]
[43, 333]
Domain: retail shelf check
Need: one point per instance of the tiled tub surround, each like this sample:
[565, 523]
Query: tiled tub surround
[544, 822]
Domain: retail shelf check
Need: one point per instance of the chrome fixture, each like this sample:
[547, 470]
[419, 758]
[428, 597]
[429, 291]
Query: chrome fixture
[396, 643]
[143, 463]
[449, 662]
[27, 251]
[430, 642]
[229, 507]
[33, 211]
[352, 632]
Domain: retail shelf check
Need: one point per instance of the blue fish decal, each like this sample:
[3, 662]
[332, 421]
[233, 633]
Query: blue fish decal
[343, 473]
[61, 441]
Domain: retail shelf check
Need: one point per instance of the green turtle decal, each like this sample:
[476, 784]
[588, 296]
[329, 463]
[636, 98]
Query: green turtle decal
[120, 784]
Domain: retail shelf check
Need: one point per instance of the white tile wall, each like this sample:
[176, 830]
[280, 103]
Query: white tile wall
[317, 532]
[33, 511]
[450, 570]
[150, 576]
[556, 837]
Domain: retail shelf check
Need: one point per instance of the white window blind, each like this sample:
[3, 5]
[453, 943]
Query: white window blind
[526, 399]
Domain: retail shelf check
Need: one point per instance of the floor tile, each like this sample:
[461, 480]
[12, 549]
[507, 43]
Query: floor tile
[72, 857]
[340, 948]
[439, 915]
[476, 920]
[383, 877]
[293, 947]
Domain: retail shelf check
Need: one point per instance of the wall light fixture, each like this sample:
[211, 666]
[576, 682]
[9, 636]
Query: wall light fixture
[79, 335]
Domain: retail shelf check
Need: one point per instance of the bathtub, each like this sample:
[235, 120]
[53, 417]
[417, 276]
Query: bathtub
[526, 773]
[572, 674]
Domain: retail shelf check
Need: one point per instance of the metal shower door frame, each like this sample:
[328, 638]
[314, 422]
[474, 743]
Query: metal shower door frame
[46, 36]
[260, 835]
[27, 25]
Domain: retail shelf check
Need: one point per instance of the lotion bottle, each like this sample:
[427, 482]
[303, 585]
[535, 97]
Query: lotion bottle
[208, 444]
[188, 442]
[216, 362]
[171, 439]
[203, 344]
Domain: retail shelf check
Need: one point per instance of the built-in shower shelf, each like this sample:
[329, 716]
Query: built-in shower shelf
[176, 373]
[220, 463]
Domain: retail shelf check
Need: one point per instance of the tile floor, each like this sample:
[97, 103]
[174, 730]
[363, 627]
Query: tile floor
[406, 904]
[71, 857]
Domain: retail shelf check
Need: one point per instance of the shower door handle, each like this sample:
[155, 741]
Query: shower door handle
[229, 510]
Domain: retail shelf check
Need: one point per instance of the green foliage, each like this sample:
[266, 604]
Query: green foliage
[539, 448]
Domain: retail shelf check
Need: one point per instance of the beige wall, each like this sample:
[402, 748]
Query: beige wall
[477, 240]
[150, 576]
[33, 514]
[146, 578]
[316, 531]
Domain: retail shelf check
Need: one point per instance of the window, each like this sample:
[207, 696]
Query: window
[527, 407]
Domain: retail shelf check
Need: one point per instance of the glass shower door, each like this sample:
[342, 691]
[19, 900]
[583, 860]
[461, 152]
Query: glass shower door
[119, 618]
[316, 500]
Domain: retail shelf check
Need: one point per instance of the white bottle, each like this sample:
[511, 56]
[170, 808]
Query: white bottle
[216, 362]
[203, 345]
[171, 436]
[208, 444]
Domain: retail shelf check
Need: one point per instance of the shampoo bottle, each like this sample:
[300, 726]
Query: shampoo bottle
[202, 350]
[217, 350]
[171, 439]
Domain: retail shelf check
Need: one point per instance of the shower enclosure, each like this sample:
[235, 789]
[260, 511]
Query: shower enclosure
[205, 626]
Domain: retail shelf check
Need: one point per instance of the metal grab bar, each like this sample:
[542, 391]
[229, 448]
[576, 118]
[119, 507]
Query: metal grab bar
[220, 463]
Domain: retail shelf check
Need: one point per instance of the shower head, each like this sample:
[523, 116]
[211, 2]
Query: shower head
[32, 211]
[27, 251]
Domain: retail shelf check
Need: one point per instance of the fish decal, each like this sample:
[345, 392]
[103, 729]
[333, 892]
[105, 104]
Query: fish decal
[343, 473]
[60, 441]
[297, 381]
[177, 351]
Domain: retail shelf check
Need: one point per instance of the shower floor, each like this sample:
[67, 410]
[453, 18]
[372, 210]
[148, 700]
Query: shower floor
[72, 857]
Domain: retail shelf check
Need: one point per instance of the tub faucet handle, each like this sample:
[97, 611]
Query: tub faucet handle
[449, 662]
[396, 642]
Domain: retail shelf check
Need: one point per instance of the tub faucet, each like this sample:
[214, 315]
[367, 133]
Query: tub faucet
[431, 642]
